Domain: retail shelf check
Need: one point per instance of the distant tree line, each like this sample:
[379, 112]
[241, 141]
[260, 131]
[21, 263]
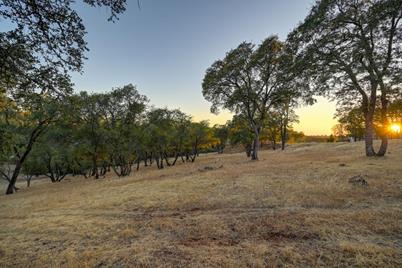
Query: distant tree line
[91, 134]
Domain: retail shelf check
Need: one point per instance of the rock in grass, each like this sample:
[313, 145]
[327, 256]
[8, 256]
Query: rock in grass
[206, 168]
[358, 180]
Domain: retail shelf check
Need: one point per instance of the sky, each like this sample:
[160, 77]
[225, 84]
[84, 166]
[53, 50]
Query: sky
[165, 46]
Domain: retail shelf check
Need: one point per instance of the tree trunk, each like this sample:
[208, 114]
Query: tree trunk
[145, 160]
[248, 150]
[369, 134]
[138, 163]
[256, 144]
[193, 158]
[165, 155]
[383, 147]
[95, 167]
[29, 178]
[195, 150]
[369, 138]
[283, 140]
[175, 158]
[161, 160]
[151, 159]
[384, 136]
[18, 165]
[13, 180]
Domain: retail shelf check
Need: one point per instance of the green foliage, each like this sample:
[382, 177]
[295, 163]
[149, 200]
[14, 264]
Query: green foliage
[395, 111]
[247, 82]
[52, 30]
[54, 153]
[46, 40]
[221, 133]
[99, 132]
[350, 51]
[352, 119]
[240, 133]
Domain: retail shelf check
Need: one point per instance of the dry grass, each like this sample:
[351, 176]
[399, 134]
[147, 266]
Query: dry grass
[293, 208]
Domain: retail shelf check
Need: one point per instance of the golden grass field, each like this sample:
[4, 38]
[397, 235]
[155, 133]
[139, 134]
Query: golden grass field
[290, 209]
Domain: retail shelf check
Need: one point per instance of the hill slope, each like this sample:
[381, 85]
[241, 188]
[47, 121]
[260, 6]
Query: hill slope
[294, 208]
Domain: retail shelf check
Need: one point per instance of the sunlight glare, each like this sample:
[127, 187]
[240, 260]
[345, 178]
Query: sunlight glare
[395, 128]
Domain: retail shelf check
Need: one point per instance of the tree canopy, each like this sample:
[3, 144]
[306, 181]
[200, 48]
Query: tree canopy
[246, 81]
[351, 51]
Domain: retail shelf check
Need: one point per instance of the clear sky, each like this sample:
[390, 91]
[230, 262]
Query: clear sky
[165, 47]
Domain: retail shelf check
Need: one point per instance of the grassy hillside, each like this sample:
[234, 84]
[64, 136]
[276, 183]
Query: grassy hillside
[293, 208]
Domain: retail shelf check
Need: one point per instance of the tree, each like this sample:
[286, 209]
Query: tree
[30, 100]
[201, 137]
[281, 117]
[46, 42]
[395, 111]
[246, 82]
[395, 117]
[273, 127]
[241, 133]
[159, 128]
[123, 111]
[92, 134]
[351, 50]
[294, 91]
[172, 134]
[33, 167]
[352, 117]
[25, 121]
[353, 120]
[221, 132]
[52, 154]
[52, 29]
[295, 136]
[339, 132]
[181, 142]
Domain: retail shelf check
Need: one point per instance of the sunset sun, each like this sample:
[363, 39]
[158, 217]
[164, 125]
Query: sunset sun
[395, 128]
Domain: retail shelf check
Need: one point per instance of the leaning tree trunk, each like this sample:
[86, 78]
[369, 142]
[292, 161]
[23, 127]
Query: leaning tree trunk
[166, 157]
[175, 158]
[13, 180]
[18, 165]
[383, 146]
